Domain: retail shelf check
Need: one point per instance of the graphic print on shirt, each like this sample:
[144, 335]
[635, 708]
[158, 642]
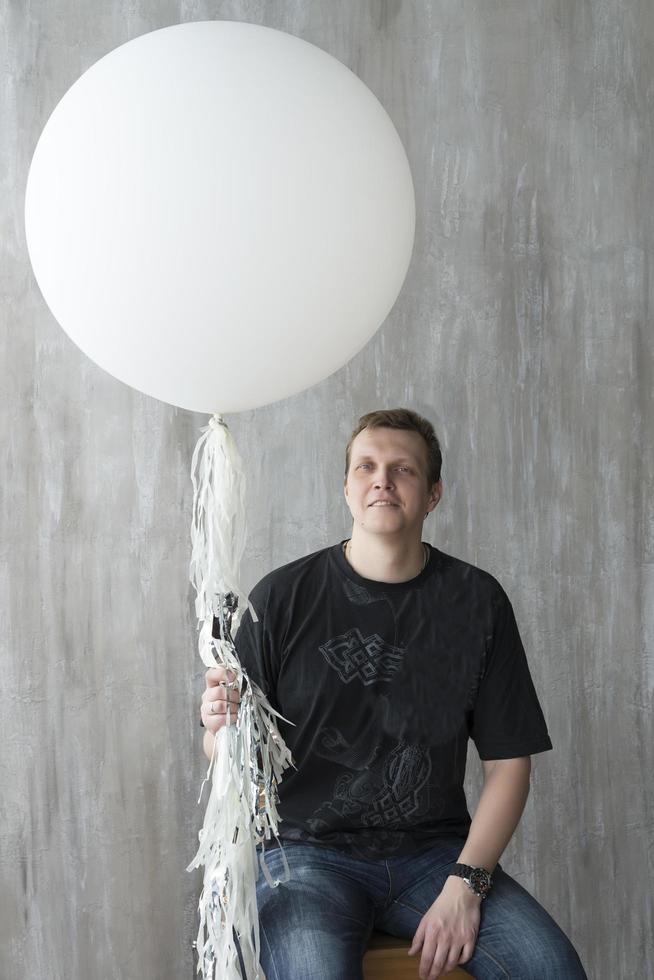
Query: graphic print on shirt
[368, 658]
[387, 795]
[332, 745]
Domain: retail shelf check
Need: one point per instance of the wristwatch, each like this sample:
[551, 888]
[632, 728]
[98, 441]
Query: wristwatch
[477, 879]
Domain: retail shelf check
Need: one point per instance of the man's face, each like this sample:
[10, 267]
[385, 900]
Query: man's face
[386, 484]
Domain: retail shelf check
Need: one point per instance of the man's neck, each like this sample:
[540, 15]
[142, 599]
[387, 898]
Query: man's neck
[385, 559]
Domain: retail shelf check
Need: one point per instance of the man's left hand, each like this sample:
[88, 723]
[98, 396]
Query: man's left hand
[448, 931]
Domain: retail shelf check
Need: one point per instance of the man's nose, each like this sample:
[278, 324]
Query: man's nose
[384, 480]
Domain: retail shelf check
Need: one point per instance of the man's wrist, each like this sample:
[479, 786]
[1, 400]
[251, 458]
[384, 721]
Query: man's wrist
[457, 886]
[478, 880]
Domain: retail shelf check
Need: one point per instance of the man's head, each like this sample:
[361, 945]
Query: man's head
[392, 473]
[403, 418]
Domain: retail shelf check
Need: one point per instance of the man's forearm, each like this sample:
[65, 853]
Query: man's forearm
[502, 800]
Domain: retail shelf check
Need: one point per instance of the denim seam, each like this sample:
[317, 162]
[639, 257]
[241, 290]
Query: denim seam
[270, 953]
[390, 887]
[493, 959]
[417, 882]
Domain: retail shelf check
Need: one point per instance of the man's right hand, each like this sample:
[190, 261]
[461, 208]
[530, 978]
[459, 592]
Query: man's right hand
[218, 699]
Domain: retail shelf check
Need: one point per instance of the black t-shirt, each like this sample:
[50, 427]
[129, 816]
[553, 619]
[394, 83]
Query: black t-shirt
[385, 683]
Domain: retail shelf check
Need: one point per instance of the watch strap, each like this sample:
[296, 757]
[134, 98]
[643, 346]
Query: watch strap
[479, 880]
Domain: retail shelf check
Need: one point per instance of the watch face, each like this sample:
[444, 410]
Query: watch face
[481, 880]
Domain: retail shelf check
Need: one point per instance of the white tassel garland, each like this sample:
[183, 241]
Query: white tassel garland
[249, 755]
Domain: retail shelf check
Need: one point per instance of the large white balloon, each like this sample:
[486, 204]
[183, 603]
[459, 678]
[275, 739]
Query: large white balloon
[219, 214]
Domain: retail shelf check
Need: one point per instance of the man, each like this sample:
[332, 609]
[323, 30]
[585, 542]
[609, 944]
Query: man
[388, 655]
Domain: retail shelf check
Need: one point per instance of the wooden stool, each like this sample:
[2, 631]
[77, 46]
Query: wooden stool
[386, 959]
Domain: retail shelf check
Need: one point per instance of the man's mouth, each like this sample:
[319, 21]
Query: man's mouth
[382, 503]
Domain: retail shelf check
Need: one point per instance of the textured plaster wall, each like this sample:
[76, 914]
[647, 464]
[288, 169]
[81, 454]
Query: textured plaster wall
[524, 331]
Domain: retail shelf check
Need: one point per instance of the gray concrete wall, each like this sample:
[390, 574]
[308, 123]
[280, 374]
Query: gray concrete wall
[523, 331]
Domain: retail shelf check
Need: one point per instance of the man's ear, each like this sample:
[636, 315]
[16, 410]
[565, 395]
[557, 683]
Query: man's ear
[435, 495]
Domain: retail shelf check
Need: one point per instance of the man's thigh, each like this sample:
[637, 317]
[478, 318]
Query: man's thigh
[517, 937]
[316, 925]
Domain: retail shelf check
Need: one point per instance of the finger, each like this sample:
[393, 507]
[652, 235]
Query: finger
[212, 721]
[230, 691]
[468, 950]
[417, 940]
[213, 694]
[218, 675]
[222, 689]
[436, 969]
[214, 675]
[429, 957]
[435, 963]
[453, 959]
[219, 707]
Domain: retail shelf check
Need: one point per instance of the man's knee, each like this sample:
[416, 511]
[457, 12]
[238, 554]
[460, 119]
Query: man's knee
[555, 961]
[310, 954]
[529, 956]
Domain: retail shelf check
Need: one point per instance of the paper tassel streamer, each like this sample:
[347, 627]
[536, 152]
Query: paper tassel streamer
[249, 754]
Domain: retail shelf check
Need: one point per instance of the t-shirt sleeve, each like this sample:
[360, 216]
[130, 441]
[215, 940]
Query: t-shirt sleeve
[507, 719]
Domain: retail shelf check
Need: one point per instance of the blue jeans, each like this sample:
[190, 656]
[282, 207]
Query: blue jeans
[316, 925]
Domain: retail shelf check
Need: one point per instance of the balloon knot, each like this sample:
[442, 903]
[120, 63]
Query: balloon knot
[217, 420]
